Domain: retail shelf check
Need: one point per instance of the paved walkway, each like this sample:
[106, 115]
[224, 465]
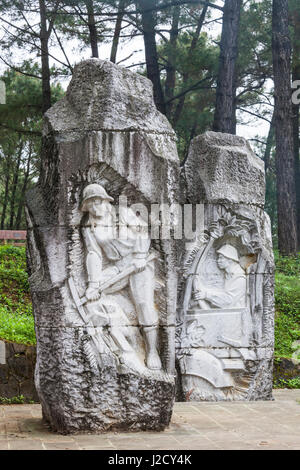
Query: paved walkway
[235, 425]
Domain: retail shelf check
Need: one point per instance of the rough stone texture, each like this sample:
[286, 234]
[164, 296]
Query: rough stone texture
[97, 91]
[228, 171]
[106, 131]
[17, 363]
[225, 321]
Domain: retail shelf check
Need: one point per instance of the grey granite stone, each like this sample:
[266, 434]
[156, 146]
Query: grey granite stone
[103, 361]
[223, 168]
[225, 320]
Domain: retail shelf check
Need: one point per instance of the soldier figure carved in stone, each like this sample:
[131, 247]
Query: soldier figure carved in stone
[235, 285]
[121, 255]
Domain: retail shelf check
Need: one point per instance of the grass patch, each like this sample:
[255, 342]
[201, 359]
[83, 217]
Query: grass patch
[287, 302]
[289, 383]
[16, 319]
[20, 399]
[16, 327]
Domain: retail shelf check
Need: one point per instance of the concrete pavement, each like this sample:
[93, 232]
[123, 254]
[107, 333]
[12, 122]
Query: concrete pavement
[209, 426]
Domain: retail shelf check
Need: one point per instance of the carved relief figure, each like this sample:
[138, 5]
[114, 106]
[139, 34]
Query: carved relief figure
[216, 331]
[233, 295]
[128, 264]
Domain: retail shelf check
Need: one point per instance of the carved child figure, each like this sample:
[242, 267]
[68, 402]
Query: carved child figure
[101, 241]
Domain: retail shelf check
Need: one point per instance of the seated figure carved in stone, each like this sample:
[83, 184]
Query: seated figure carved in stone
[233, 295]
[129, 265]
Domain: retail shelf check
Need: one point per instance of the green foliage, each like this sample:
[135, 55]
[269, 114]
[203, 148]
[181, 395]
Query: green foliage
[18, 400]
[195, 74]
[16, 319]
[18, 328]
[20, 140]
[14, 287]
[23, 108]
[288, 265]
[289, 383]
[287, 299]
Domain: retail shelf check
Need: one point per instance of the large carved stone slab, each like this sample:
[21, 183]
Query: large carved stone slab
[104, 299]
[226, 299]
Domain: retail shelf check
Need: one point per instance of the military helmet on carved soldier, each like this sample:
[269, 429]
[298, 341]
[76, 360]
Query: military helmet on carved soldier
[93, 190]
[229, 252]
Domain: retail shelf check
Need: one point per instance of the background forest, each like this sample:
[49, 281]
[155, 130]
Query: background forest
[214, 65]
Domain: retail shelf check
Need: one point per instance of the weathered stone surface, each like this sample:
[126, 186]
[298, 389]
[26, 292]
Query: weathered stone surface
[103, 362]
[97, 90]
[225, 329]
[228, 171]
[17, 371]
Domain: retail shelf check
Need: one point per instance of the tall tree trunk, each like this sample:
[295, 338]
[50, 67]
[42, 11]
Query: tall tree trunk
[171, 68]
[296, 123]
[24, 187]
[6, 192]
[148, 25]
[185, 77]
[92, 28]
[269, 144]
[117, 32]
[296, 109]
[285, 162]
[188, 143]
[224, 119]
[44, 38]
[14, 187]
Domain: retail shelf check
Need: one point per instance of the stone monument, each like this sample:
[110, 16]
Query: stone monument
[226, 300]
[103, 290]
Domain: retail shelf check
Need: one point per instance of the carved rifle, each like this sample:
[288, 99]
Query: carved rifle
[88, 323]
[79, 302]
[197, 263]
[110, 282]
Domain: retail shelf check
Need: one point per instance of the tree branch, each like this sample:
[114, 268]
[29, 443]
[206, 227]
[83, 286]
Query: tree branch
[191, 88]
[158, 8]
[21, 131]
[19, 70]
[254, 114]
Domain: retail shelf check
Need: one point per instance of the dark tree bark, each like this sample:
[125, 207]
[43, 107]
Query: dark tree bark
[296, 123]
[14, 187]
[269, 144]
[117, 32]
[185, 78]
[24, 187]
[148, 25]
[285, 161]
[171, 68]
[296, 109]
[44, 39]
[6, 192]
[224, 118]
[92, 28]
